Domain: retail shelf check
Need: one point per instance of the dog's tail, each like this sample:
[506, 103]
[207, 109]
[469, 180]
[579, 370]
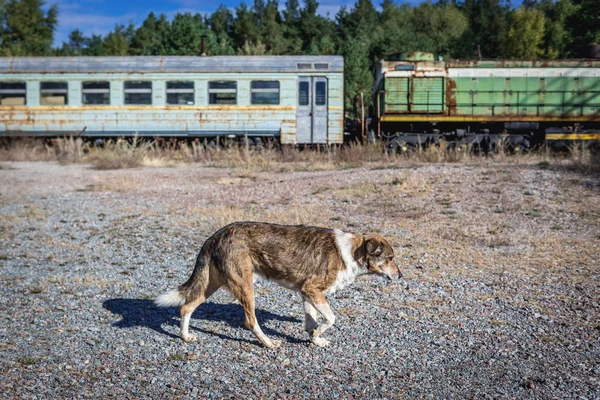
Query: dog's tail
[194, 287]
[172, 298]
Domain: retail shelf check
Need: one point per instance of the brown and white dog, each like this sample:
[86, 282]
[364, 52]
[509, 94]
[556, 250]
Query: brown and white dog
[309, 260]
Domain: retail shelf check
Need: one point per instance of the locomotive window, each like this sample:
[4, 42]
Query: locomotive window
[321, 97]
[303, 93]
[95, 92]
[222, 92]
[54, 93]
[13, 93]
[180, 93]
[138, 92]
[264, 92]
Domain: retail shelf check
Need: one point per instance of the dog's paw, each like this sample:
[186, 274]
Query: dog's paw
[190, 338]
[320, 342]
[274, 344]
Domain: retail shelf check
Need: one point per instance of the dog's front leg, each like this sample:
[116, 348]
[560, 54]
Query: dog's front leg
[310, 317]
[317, 300]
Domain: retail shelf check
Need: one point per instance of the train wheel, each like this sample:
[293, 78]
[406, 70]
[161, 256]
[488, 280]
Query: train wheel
[257, 144]
[522, 147]
[399, 146]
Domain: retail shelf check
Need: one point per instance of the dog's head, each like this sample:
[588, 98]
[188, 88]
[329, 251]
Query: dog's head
[378, 256]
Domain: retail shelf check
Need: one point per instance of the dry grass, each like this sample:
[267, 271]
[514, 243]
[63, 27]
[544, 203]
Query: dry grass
[249, 160]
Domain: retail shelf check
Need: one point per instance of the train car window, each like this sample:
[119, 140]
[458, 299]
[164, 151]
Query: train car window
[180, 93]
[303, 93]
[95, 92]
[264, 92]
[13, 93]
[321, 97]
[321, 66]
[222, 92]
[54, 93]
[304, 66]
[138, 92]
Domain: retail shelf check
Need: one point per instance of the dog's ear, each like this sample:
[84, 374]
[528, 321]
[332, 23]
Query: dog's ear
[374, 247]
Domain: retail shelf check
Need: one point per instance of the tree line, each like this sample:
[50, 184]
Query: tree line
[363, 34]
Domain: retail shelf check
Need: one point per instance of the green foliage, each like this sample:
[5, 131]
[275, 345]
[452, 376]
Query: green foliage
[557, 39]
[362, 33]
[488, 28]
[149, 38]
[244, 27]
[116, 43]
[357, 75]
[526, 34]
[221, 22]
[26, 29]
[184, 38]
[584, 23]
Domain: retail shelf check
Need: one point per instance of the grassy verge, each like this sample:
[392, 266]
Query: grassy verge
[135, 153]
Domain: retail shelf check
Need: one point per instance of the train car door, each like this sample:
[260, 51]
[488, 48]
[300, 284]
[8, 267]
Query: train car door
[312, 114]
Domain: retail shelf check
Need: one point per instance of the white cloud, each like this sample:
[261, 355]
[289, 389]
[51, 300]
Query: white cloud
[88, 23]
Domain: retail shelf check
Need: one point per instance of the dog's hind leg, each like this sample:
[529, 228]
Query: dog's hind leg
[243, 291]
[198, 297]
[318, 301]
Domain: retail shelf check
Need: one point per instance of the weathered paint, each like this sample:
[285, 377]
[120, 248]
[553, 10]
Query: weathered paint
[560, 91]
[499, 64]
[180, 64]
[572, 136]
[198, 119]
[482, 118]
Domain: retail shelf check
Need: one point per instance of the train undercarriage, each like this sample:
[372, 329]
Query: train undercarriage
[486, 137]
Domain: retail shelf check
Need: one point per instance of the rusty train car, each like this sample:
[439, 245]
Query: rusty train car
[294, 99]
[419, 101]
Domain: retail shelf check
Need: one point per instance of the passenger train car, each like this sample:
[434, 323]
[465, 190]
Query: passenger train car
[420, 100]
[297, 99]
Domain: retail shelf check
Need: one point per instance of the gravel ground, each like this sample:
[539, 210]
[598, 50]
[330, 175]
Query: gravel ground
[500, 296]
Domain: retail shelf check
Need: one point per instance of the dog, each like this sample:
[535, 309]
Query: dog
[310, 260]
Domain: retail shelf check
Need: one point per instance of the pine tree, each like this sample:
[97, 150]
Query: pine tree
[116, 42]
[185, 35]
[244, 27]
[291, 27]
[26, 29]
[220, 23]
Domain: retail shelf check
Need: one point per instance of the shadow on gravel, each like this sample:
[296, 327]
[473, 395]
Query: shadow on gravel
[143, 312]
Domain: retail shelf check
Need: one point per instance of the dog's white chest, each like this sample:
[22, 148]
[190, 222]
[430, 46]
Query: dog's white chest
[344, 278]
[352, 270]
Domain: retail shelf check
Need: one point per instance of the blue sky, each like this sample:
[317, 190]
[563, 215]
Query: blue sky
[100, 16]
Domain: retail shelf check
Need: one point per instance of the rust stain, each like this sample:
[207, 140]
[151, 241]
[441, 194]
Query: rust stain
[146, 108]
[451, 96]
[487, 118]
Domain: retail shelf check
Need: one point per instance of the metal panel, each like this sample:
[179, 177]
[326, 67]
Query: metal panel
[228, 64]
[320, 109]
[428, 95]
[312, 111]
[304, 111]
[396, 95]
[144, 119]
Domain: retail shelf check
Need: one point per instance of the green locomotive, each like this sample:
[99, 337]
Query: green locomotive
[419, 101]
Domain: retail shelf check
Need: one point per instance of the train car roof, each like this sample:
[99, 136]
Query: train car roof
[181, 64]
[573, 63]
